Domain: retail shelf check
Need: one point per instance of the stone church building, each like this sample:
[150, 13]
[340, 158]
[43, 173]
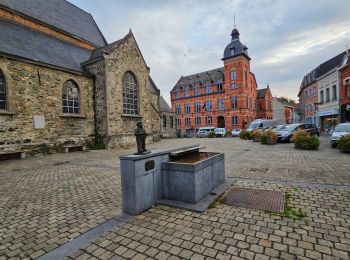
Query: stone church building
[60, 80]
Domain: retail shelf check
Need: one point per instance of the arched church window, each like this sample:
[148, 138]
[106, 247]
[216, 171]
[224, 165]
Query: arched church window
[2, 91]
[70, 97]
[130, 95]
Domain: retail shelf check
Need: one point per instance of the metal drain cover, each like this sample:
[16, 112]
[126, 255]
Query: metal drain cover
[265, 200]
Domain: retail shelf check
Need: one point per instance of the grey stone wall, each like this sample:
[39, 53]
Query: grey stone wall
[168, 130]
[33, 90]
[120, 128]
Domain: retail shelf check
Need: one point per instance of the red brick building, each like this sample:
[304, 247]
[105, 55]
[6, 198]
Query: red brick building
[265, 103]
[224, 97]
[344, 100]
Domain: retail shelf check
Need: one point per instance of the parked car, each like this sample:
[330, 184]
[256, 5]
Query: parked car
[204, 131]
[220, 132]
[338, 132]
[261, 123]
[276, 128]
[287, 131]
[236, 132]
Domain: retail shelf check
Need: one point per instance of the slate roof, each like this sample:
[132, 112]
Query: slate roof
[32, 45]
[98, 53]
[236, 45]
[152, 87]
[321, 70]
[261, 92]
[163, 105]
[59, 14]
[215, 74]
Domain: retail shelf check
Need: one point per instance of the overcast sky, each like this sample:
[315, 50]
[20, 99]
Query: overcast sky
[285, 39]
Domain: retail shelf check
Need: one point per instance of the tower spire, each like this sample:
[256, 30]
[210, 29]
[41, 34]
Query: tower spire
[234, 19]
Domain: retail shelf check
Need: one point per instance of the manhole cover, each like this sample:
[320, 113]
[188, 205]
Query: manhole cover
[265, 200]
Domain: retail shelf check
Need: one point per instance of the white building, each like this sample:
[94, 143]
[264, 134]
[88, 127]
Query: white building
[328, 99]
[283, 110]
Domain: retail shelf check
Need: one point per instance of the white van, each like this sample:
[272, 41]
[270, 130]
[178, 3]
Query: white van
[262, 123]
[204, 131]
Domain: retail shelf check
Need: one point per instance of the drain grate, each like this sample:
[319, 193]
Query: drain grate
[265, 200]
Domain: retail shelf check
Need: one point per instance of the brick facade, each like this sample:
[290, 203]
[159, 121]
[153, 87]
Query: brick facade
[344, 73]
[265, 104]
[225, 97]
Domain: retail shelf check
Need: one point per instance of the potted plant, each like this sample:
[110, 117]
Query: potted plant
[344, 143]
[256, 135]
[303, 140]
[269, 137]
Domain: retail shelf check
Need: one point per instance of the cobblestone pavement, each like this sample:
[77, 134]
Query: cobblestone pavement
[49, 200]
[226, 232]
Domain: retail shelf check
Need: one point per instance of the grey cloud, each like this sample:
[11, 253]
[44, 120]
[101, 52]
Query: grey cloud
[185, 37]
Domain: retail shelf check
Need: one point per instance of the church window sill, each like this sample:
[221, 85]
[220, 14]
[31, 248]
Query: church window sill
[72, 116]
[132, 116]
[6, 112]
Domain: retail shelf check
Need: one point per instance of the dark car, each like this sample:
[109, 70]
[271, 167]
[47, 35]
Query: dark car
[285, 134]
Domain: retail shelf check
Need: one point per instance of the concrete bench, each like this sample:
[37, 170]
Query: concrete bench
[67, 147]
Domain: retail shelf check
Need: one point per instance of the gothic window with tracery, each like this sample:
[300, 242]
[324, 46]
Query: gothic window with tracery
[130, 95]
[70, 97]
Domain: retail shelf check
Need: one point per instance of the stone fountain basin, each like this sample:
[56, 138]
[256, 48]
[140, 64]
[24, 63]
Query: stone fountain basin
[192, 177]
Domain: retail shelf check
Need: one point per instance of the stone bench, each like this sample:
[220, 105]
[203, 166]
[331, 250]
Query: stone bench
[67, 147]
[22, 154]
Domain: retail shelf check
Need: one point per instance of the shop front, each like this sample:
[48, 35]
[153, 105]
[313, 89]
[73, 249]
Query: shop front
[345, 113]
[328, 119]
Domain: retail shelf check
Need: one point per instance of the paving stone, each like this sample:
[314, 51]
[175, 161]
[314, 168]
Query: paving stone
[313, 254]
[185, 254]
[162, 230]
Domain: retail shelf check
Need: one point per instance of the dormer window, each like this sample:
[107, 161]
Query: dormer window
[232, 50]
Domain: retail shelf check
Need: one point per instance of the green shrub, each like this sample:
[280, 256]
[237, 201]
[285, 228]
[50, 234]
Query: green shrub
[243, 134]
[97, 146]
[263, 138]
[211, 134]
[249, 136]
[228, 133]
[344, 143]
[303, 140]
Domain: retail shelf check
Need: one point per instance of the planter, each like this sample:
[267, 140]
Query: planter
[305, 146]
[270, 141]
[256, 139]
[345, 150]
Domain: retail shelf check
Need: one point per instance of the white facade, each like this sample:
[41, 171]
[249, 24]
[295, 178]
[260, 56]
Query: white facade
[328, 99]
[278, 111]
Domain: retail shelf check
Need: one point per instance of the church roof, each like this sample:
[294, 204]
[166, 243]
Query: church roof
[35, 46]
[210, 75]
[163, 105]
[61, 15]
[98, 53]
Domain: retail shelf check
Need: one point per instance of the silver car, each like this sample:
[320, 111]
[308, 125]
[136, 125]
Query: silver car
[339, 131]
